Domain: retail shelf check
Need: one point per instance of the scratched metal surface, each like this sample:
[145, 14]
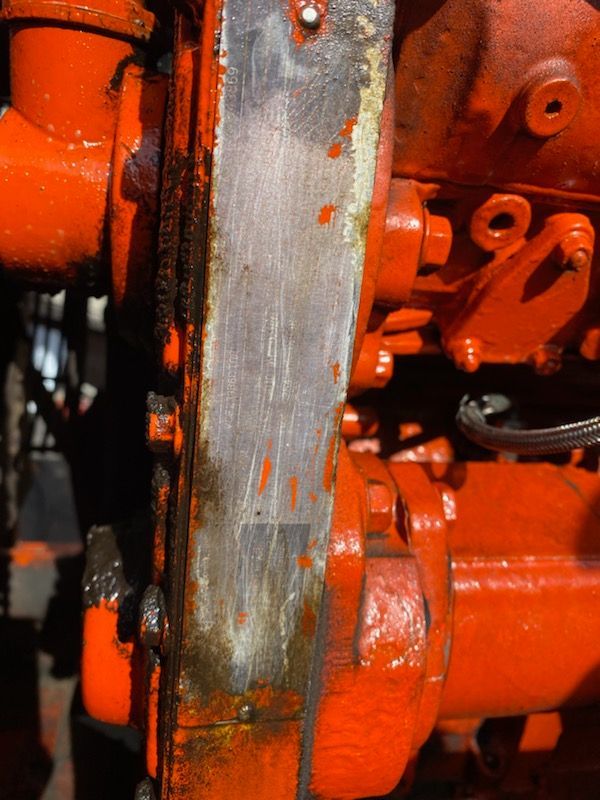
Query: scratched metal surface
[292, 179]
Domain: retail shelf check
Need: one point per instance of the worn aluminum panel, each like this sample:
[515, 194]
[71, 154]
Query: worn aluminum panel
[292, 177]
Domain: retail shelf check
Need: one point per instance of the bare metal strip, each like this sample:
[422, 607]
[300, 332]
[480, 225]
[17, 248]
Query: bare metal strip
[293, 175]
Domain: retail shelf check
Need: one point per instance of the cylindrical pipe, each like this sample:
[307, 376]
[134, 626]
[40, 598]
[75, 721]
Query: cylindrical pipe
[66, 81]
[526, 581]
[57, 138]
[53, 202]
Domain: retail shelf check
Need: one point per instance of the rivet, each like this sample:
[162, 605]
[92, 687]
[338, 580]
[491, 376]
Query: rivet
[246, 712]
[310, 17]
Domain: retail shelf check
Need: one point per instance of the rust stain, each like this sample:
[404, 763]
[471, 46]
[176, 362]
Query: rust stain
[336, 371]
[326, 214]
[294, 491]
[309, 621]
[335, 151]
[304, 561]
[328, 471]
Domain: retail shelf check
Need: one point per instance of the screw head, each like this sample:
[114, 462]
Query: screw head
[246, 712]
[310, 17]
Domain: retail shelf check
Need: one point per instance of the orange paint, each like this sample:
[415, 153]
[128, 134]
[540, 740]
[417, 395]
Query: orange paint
[253, 761]
[152, 711]
[304, 561]
[172, 350]
[326, 214]
[312, 497]
[293, 491]
[335, 151]
[105, 666]
[264, 475]
[348, 127]
[336, 369]
[242, 617]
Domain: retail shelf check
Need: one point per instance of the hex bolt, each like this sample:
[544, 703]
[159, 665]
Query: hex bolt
[153, 628]
[437, 240]
[163, 431]
[310, 17]
[145, 790]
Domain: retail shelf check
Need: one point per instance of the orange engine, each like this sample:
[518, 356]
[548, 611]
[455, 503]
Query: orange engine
[300, 331]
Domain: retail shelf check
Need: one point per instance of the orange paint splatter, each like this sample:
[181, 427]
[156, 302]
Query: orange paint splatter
[336, 371]
[293, 491]
[348, 127]
[335, 151]
[264, 475]
[326, 214]
[242, 617]
[312, 497]
[312, 544]
[309, 621]
[304, 562]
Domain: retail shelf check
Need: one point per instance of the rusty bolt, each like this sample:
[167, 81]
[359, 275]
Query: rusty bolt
[246, 712]
[546, 360]
[310, 17]
[381, 506]
[145, 790]
[163, 431]
[153, 621]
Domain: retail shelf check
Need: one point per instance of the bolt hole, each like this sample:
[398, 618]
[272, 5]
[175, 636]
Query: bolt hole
[553, 108]
[502, 222]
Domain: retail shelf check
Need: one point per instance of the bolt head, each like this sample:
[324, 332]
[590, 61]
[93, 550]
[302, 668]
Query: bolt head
[153, 622]
[145, 790]
[574, 252]
[310, 17]
[246, 712]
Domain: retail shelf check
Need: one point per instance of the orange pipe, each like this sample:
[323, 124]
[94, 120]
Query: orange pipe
[526, 582]
[53, 204]
[57, 138]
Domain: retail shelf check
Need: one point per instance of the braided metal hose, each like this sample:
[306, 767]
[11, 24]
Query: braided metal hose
[471, 419]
